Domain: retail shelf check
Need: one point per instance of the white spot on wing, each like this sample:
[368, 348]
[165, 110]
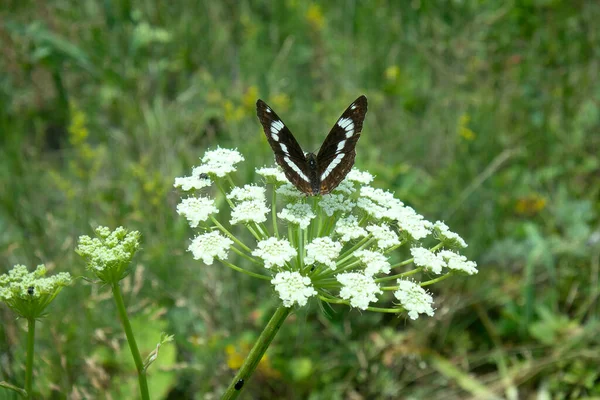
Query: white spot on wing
[284, 148]
[340, 146]
[332, 165]
[352, 107]
[268, 110]
[276, 126]
[275, 136]
[296, 168]
[347, 125]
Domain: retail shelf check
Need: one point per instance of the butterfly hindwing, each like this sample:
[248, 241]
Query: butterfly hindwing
[288, 153]
[336, 156]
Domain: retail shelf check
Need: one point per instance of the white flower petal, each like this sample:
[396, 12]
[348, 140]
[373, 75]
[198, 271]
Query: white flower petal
[374, 261]
[414, 299]
[196, 209]
[323, 250]
[248, 192]
[249, 211]
[275, 252]
[297, 213]
[425, 258]
[458, 262]
[385, 237]
[293, 288]
[192, 182]
[360, 289]
[330, 203]
[209, 246]
[444, 234]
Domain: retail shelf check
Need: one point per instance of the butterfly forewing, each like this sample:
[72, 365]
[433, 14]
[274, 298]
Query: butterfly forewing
[288, 153]
[336, 156]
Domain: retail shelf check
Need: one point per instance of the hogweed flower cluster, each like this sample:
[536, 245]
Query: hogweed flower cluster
[29, 293]
[109, 254]
[338, 247]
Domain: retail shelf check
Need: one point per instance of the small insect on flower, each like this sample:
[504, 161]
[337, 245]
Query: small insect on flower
[30, 290]
[239, 384]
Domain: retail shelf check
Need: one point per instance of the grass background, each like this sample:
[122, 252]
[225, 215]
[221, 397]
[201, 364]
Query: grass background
[485, 114]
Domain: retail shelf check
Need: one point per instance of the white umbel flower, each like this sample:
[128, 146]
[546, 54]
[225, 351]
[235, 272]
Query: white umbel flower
[293, 288]
[288, 190]
[374, 261]
[358, 176]
[349, 229]
[409, 221]
[192, 182]
[209, 246]
[382, 197]
[330, 203]
[297, 213]
[196, 209]
[274, 173]
[219, 162]
[275, 252]
[414, 299]
[248, 192]
[323, 250]
[444, 233]
[427, 259]
[360, 289]
[372, 208]
[346, 187]
[458, 262]
[249, 211]
[385, 237]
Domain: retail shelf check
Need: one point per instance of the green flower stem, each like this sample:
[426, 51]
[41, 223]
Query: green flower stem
[242, 270]
[376, 309]
[229, 234]
[247, 257]
[437, 246]
[291, 235]
[364, 242]
[274, 212]
[301, 237]
[402, 264]
[224, 193]
[398, 276]
[139, 364]
[257, 352]
[391, 249]
[30, 352]
[254, 233]
[436, 280]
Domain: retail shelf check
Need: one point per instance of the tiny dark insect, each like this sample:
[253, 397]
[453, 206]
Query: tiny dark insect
[321, 173]
[30, 290]
[203, 176]
[239, 384]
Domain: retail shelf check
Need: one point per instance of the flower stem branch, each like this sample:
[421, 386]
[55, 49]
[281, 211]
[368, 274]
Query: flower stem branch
[139, 365]
[30, 353]
[436, 280]
[249, 273]
[257, 352]
[398, 276]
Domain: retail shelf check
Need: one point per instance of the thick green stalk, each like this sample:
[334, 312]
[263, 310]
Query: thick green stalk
[139, 364]
[257, 352]
[29, 363]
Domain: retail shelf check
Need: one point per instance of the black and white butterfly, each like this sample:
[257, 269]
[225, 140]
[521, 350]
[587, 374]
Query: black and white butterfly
[310, 173]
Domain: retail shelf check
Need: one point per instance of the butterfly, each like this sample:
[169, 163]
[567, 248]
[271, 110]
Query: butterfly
[321, 173]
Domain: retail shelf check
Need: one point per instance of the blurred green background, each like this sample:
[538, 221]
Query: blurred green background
[485, 114]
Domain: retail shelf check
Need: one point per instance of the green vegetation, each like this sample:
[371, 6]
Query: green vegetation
[484, 114]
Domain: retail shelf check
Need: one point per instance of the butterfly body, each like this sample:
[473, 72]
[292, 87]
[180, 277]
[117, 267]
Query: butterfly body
[321, 173]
